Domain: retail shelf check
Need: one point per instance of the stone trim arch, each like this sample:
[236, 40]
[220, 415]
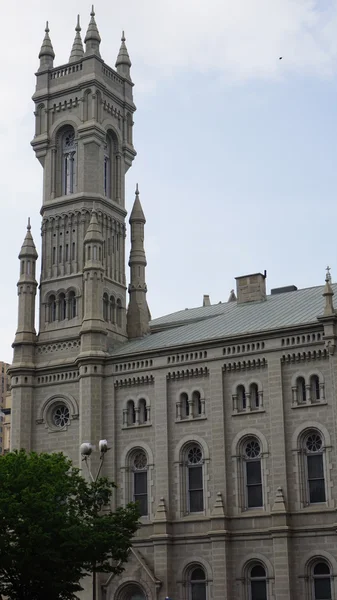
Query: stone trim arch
[245, 433]
[312, 556]
[108, 124]
[45, 408]
[133, 446]
[62, 124]
[303, 427]
[250, 558]
[126, 581]
[189, 439]
[187, 563]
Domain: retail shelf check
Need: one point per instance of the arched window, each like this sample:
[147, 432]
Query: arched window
[112, 309]
[94, 253]
[195, 484]
[185, 407]
[321, 581]
[105, 307]
[314, 388]
[254, 396]
[197, 404]
[196, 583]
[139, 468]
[68, 161]
[252, 473]
[241, 397]
[314, 467]
[119, 313]
[62, 307]
[107, 167]
[301, 390]
[131, 413]
[142, 411]
[72, 305]
[52, 309]
[257, 583]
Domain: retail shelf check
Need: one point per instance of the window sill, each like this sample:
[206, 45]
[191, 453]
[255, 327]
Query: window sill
[192, 419]
[136, 426]
[253, 411]
[309, 404]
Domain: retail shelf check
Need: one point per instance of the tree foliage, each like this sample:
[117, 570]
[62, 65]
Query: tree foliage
[56, 527]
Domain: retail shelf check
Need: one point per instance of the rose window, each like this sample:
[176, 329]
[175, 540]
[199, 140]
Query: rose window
[252, 449]
[61, 416]
[194, 455]
[140, 461]
[314, 443]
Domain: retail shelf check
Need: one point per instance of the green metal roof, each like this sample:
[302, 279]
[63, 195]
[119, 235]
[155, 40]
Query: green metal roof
[230, 319]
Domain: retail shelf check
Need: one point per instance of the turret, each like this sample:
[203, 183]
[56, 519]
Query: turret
[93, 274]
[138, 315]
[92, 39]
[27, 285]
[123, 62]
[47, 53]
[77, 51]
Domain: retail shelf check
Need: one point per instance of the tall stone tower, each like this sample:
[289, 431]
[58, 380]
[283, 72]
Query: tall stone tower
[83, 140]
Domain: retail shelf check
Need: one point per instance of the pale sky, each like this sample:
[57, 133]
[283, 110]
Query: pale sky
[237, 149]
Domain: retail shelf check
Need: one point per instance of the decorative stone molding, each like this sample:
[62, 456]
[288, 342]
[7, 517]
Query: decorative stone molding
[186, 373]
[145, 380]
[305, 356]
[245, 365]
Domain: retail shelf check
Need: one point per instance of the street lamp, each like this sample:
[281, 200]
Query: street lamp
[86, 450]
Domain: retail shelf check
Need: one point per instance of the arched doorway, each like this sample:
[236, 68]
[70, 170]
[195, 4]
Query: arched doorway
[131, 591]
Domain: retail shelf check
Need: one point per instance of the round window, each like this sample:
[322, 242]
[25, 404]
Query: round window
[60, 416]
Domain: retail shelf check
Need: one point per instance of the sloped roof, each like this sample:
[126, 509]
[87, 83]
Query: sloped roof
[230, 319]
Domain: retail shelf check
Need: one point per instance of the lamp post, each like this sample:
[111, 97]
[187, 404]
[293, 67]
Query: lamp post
[86, 450]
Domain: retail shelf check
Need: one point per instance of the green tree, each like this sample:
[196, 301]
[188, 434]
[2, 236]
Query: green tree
[56, 527]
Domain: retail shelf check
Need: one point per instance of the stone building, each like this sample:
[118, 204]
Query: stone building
[4, 386]
[221, 419]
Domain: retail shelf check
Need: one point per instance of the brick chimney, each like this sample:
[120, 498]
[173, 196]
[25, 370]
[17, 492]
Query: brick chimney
[251, 288]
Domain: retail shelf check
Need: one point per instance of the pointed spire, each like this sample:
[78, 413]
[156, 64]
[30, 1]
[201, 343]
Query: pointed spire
[232, 296]
[137, 214]
[77, 51]
[218, 509]
[94, 231]
[279, 503]
[92, 39]
[28, 247]
[123, 62]
[47, 53]
[328, 295]
[161, 513]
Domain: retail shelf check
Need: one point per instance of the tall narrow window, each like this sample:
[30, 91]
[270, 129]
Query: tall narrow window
[28, 267]
[253, 474]
[131, 413]
[105, 307]
[315, 468]
[142, 411]
[196, 581]
[195, 487]
[107, 168]
[321, 582]
[67, 252]
[314, 388]
[68, 162]
[54, 255]
[52, 309]
[301, 390]
[241, 394]
[119, 310]
[73, 251]
[112, 309]
[139, 468]
[197, 405]
[185, 407]
[72, 307]
[62, 307]
[257, 583]
[254, 396]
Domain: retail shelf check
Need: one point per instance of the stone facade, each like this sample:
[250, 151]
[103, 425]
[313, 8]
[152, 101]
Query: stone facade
[224, 430]
[4, 387]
